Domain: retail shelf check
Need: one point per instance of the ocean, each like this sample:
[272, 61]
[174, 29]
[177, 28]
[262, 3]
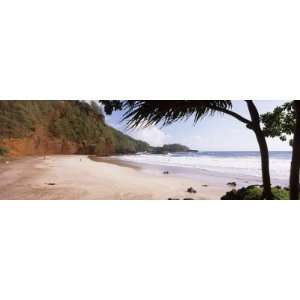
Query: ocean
[229, 165]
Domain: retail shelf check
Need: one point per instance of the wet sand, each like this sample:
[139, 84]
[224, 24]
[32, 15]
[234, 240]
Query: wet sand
[79, 177]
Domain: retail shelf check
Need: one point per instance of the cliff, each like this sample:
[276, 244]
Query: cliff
[60, 127]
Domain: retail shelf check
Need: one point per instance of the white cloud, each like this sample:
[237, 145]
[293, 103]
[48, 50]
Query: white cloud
[152, 135]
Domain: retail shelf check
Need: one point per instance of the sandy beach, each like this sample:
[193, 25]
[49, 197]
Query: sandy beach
[78, 177]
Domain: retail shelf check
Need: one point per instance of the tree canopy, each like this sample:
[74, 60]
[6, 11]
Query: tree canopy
[280, 123]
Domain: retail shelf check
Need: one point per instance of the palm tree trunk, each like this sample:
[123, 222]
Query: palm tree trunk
[264, 152]
[265, 165]
[295, 164]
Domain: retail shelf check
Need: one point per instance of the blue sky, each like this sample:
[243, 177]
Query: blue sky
[217, 133]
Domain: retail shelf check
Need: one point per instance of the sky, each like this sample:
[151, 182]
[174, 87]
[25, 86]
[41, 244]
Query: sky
[213, 133]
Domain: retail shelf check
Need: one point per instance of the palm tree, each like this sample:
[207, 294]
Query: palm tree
[151, 112]
[295, 164]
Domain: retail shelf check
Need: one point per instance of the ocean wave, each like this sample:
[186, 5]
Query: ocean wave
[248, 164]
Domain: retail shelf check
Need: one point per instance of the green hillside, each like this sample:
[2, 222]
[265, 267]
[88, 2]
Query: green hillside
[74, 121]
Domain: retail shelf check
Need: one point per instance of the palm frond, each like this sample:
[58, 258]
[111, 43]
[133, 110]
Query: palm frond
[152, 112]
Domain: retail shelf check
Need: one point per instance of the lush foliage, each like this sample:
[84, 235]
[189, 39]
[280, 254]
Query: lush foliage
[255, 192]
[281, 122]
[76, 121]
[284, 122]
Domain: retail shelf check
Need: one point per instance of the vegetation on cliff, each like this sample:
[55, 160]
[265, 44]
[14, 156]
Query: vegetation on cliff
[170, 148]
[3, 151]
[75, 121]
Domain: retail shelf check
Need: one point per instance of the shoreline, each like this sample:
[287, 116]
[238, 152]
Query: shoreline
[81, 177]
[213, 174]
[114, 161]
[207, 178]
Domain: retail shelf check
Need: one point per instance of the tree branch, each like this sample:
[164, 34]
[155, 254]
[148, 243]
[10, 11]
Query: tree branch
[234, 114]
[253, 112]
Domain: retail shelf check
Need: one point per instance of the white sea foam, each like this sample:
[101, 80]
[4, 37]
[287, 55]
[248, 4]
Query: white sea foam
[231, 163]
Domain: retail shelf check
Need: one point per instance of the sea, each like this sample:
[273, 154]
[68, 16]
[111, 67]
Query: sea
[240, 166]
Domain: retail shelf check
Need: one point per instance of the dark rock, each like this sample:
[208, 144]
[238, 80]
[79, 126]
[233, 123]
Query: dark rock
[204, 185]
[233, 183]
[173, 199]
[51, 183]
[191, 190]
[188, 199]
[166, 172]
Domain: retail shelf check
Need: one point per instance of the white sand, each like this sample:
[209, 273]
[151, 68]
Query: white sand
[78, 177]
